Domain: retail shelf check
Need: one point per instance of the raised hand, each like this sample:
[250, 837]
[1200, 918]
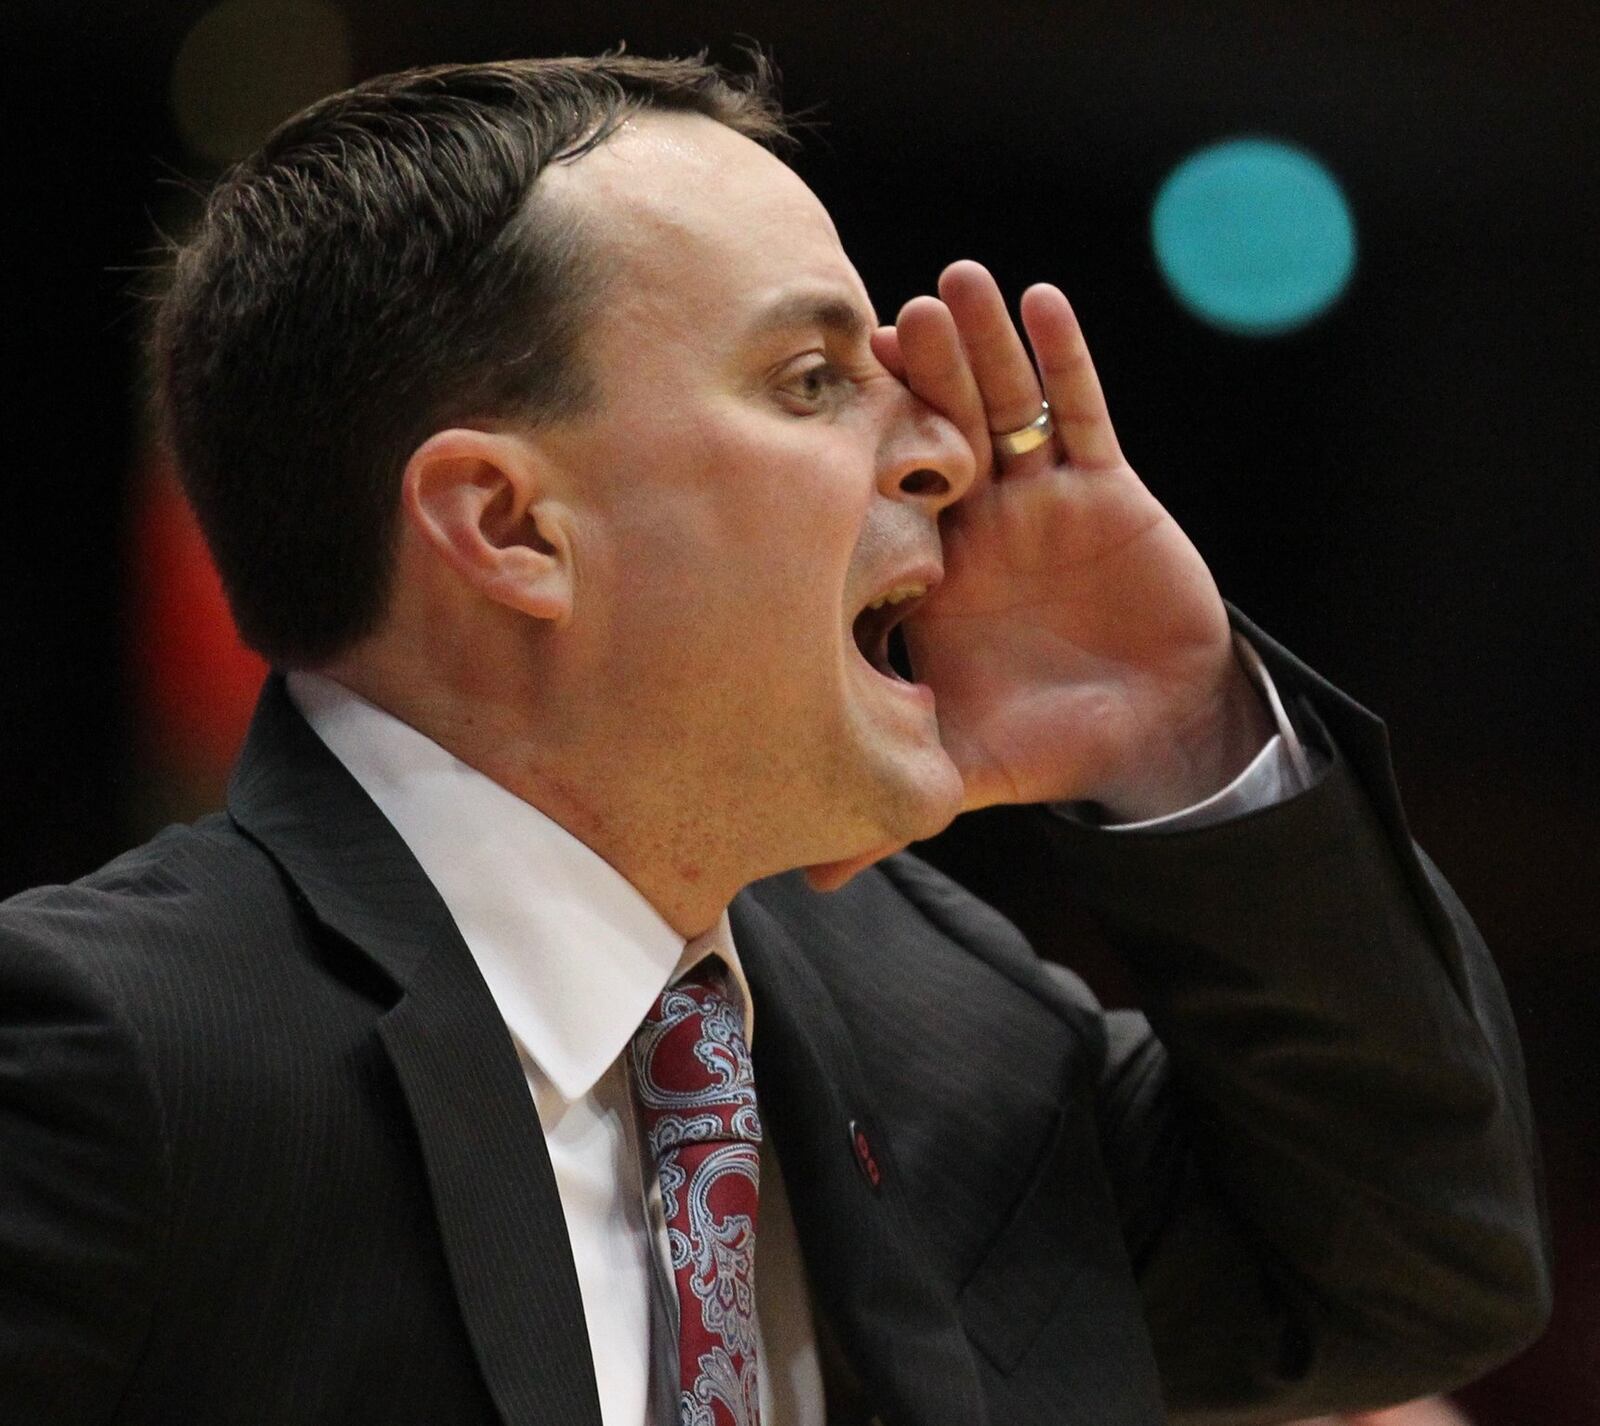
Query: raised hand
[1078, 647]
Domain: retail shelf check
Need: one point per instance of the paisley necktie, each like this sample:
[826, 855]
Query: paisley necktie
[695, 1090]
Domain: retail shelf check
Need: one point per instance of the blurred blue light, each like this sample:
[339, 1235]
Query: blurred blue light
[1253, 236]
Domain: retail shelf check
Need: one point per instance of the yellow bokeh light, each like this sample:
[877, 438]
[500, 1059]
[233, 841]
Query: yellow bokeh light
[246, 65]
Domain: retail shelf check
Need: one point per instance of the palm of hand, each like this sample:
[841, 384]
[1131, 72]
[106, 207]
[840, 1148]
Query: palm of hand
[1076, 624]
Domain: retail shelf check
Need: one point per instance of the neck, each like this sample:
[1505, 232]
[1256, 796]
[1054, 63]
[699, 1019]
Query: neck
[648, 821]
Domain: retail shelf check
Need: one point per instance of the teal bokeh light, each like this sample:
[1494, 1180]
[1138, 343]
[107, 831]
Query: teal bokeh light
[1253, 236]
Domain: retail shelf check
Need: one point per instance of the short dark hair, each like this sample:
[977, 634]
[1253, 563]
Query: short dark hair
[374, 273]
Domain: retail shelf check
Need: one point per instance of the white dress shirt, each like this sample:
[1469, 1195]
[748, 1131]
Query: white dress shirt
[574, 957]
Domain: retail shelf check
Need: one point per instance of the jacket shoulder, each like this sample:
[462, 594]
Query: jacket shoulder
[186, 886]
[903, 904]
[193, 939]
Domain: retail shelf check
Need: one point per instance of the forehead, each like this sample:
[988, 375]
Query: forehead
[703, 231]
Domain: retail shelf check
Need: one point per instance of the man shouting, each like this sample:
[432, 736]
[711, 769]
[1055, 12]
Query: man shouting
[552, 1029]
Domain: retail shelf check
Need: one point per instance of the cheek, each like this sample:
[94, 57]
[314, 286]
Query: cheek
[741, 546]
[795, 557]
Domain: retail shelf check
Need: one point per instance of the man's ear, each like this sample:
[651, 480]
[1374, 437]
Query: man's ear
[481, 501]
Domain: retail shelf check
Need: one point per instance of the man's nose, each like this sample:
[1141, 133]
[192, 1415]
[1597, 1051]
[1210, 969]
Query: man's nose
[924, 458]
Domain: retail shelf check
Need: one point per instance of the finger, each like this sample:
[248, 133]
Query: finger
[938, 371]
[886, 347]
[1005, 375]
[1076, 402]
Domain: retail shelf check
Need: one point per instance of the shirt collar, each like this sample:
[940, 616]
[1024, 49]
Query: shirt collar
[572, 953]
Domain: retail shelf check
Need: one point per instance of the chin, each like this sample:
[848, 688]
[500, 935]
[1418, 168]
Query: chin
[924, 798]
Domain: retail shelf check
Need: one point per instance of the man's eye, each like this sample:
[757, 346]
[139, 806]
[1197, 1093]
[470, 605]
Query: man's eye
[818, 385]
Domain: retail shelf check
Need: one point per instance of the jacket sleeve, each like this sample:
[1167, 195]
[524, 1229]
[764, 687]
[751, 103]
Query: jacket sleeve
[1319, 1139]
[81, 1183]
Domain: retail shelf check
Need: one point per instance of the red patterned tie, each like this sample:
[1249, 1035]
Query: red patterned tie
[695, 1088]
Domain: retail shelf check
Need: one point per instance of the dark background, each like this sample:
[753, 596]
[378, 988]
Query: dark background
[1404, 492]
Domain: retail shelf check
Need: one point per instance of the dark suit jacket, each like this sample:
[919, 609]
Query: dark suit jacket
[267, 1155]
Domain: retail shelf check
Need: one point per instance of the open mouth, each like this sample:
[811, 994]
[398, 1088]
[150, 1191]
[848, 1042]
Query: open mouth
[878, 634]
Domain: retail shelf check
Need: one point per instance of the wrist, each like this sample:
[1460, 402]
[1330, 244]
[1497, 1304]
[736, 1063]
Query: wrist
[1198, 755]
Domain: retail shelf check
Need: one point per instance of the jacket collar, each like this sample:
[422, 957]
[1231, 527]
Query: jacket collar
[292, 796]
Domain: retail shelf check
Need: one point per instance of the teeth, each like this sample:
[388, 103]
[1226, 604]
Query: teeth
[899, 594]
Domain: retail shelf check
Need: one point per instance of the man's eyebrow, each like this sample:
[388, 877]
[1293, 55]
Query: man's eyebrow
[833, 312]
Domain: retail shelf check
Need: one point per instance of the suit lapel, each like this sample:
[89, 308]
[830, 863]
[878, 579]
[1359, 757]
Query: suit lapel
[493, 1188]
[896, 1324]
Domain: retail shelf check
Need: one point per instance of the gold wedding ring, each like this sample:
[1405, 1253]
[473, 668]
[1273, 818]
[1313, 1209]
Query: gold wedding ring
[1025, 438]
